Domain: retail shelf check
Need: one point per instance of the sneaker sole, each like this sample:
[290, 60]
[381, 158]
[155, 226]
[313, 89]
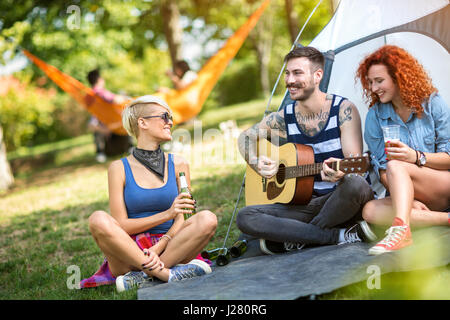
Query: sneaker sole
[374, 251]
[366, 229]
[264, 249]
[119, 284]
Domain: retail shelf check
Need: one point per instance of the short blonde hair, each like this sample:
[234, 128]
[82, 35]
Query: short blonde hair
[136, 109]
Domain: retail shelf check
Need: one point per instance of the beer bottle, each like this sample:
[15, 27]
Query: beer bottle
[211, 254]
[184, 189]
[224, 257]
[238, 248]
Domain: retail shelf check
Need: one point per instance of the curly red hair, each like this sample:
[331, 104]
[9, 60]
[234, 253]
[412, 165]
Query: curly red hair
[408, 74]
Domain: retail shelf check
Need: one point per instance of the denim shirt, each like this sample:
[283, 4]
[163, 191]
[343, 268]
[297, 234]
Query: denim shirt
[430, 133]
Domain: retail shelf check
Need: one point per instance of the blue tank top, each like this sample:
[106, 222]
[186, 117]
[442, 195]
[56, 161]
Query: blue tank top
[142, 202]
[326, 144]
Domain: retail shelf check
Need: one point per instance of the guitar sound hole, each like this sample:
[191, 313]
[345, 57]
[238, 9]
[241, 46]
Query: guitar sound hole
[281, 174]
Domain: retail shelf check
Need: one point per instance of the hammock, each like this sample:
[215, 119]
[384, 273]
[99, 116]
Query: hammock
[185, 103]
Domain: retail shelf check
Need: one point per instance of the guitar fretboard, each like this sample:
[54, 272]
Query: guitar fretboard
[306, 170]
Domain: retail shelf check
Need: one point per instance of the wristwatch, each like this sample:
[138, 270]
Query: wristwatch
[422, 159]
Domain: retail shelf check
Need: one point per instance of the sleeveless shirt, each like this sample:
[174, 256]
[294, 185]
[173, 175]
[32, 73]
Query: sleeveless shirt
[326, 143]
[142, 202]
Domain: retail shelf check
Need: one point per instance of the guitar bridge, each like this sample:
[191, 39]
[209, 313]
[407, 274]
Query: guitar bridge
[264, 184]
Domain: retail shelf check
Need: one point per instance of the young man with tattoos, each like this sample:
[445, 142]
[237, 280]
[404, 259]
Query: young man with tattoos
[332, 126]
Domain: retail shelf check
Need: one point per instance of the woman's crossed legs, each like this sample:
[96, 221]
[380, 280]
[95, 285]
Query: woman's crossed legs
[124, 255]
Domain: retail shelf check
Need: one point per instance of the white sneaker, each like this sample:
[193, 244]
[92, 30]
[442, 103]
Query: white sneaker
[100, 158]
[194, 268]
[130, 280]
[273, 247]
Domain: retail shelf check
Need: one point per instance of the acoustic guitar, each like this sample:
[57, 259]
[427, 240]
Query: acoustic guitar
[294, 181]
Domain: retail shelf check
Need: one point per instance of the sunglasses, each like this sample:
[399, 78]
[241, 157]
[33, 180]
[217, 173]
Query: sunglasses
[167, 117]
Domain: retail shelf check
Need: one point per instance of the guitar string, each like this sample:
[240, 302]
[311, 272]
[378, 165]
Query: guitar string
[318, 166]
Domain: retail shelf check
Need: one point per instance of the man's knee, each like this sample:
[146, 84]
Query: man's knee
[242, 219]
[356, 187]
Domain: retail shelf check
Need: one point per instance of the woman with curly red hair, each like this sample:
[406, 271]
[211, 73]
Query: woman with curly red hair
[415, 170]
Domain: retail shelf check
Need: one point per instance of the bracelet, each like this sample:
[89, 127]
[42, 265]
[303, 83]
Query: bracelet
[167, 236]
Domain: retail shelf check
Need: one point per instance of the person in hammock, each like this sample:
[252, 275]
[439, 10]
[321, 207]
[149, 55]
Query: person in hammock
[106, 142]
[146, 236]
[181, 76]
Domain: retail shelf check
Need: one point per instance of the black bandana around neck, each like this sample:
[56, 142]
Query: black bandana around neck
[152, 160]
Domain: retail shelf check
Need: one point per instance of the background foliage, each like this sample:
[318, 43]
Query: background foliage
[125, 39]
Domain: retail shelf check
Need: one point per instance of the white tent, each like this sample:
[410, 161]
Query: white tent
[359, 27]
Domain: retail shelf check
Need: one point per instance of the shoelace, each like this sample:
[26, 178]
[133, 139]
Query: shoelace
[134, 279]
[393, 235]
[289, 246]
[350, 237]
[184, 273]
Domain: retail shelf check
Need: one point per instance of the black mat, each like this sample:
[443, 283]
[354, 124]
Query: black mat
[311, 271]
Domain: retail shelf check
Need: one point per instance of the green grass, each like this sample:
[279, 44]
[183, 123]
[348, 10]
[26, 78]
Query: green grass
[43, 218]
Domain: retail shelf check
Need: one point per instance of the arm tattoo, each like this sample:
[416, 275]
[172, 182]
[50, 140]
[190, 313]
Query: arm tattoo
[347, 116]
[275, 122]
[277, 127]
[247, 143]
[271, 128]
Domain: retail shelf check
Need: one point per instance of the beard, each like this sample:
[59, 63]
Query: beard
[306, 92]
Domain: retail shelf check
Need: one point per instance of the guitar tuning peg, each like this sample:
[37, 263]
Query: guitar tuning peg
[351, 155]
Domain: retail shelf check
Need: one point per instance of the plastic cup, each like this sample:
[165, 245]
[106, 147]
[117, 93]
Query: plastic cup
[391, 133]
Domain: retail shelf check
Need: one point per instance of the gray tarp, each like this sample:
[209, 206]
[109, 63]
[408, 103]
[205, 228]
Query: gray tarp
[311, 271]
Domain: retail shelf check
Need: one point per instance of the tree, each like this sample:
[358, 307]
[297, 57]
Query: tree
[134, 41]
[262, 39]
[172, 29]
[6, 176]
[292, 19]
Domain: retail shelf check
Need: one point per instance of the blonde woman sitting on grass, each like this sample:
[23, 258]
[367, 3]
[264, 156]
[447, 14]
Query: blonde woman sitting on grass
[146, 236]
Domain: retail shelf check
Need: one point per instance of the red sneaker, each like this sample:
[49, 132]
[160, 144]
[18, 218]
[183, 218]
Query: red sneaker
[397, 237]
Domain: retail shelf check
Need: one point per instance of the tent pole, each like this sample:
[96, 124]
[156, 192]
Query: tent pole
[265, 113]
[284, 64]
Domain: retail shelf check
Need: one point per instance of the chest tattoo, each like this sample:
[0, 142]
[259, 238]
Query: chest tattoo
[312, 123]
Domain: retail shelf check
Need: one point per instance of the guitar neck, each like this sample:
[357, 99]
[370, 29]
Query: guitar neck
[306, 170]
